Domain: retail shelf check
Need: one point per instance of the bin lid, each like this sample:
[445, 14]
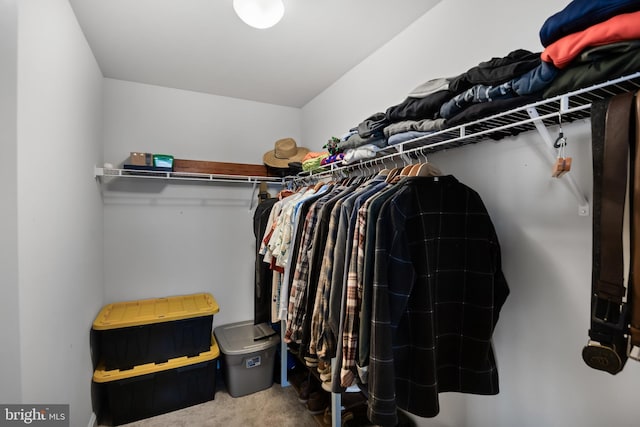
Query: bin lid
[148, 311]
[101, 375]
[238, 338]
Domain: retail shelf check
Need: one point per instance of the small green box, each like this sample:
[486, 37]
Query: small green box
[162, 161]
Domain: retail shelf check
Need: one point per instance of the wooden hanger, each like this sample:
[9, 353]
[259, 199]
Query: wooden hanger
[414, 169]
[405, 171]
[384, 171]
[392, 174]
[563, 163]
[318, 186]
[425, 168]
[428, 169]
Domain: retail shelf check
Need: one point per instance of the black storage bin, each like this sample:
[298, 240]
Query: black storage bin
[132, 333]
[152, 389]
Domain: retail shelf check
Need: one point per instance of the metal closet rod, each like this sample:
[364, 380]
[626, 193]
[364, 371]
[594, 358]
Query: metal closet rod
[570, 107]
[186, 176]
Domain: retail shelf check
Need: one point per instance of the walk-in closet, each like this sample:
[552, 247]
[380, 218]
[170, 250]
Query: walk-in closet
[520, 195]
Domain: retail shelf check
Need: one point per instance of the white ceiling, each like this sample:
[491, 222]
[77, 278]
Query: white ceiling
[202, 45]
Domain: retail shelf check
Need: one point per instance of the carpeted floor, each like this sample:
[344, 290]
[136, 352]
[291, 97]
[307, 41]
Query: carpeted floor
[275, 406]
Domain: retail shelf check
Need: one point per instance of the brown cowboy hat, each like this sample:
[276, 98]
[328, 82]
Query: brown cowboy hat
[285, 151]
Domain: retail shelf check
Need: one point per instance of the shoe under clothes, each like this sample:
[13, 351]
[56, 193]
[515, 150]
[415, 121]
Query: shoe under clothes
[357, 416]
[318, 402]
[307, 387]
[353, 413]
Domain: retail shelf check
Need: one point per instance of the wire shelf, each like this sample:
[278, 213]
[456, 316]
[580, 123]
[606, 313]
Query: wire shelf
[186, 176]
[572, 106]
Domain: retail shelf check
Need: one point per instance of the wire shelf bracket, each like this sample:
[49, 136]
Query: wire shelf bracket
[583, 203]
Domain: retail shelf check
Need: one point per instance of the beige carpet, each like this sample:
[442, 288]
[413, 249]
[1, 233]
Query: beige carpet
[275, 406]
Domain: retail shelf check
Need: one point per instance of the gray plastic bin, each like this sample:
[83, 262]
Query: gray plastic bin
[247, 364]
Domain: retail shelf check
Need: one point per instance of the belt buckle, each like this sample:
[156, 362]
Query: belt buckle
[602, 357]
[633, 351]
[609, 313]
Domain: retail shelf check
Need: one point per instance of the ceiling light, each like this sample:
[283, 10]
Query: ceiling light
[259, 13]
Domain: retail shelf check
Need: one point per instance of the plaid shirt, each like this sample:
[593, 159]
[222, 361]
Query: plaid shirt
[316, 251]
[324, 264]
[283, 234]
[298, 291]
[437, 292]
[325, 341]
[373, 207]
[351, 326]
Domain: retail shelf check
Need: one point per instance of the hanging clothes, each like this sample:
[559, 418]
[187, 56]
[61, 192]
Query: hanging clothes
[262, 274]
[438, 288]
[278, 246]
[401, 282]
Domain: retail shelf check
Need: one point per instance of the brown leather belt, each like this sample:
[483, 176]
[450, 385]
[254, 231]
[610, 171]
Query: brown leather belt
[634, 299]
[610, 124]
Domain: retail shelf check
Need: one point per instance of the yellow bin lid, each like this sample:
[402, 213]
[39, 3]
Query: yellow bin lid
[100, 375]
[149, 311]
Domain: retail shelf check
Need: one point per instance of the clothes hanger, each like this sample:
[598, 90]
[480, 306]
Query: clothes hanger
[427, 168]
[367, 171]
[363, 176]
[383, 171]
[563, 163]
[375, 169]
[349, 179]
[319, 184]
[414, 169]
[394, 172]
[403, 172]
[407, 168]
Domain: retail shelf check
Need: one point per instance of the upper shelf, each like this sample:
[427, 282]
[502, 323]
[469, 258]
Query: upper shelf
[186, 176]
[568, 107]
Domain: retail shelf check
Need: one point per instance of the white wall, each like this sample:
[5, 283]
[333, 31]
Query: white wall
[60, 244]
[10, 387]
[546, 246]
[179, 238]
